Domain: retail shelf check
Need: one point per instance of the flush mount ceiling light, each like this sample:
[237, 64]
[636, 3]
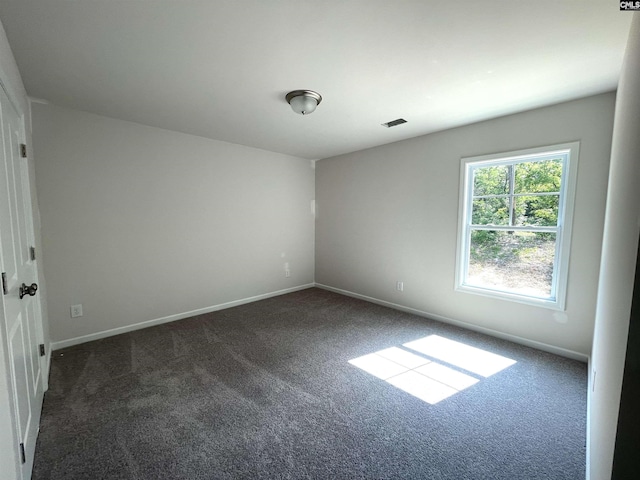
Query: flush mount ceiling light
[303, 102]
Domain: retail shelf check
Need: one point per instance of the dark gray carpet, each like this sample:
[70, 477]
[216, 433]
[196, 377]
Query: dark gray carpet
[265, 390]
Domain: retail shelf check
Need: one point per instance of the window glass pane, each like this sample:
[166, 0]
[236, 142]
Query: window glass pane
[538, 177]
[541, 210]
[490, 211]
[515, 262]
[491, 181]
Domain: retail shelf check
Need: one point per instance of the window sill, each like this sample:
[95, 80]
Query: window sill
[550, 304]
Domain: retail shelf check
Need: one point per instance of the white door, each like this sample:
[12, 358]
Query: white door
[21, 324]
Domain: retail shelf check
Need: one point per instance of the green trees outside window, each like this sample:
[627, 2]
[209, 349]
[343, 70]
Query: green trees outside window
[523, 194]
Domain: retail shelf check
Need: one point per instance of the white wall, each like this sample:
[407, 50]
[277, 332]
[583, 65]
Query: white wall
[141, 223]
[619, 254]
[391, 213]
[12, 83]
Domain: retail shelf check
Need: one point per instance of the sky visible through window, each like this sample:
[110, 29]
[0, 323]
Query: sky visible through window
[432, 368]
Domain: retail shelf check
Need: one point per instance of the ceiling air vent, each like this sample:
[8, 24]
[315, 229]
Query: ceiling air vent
[393, 123]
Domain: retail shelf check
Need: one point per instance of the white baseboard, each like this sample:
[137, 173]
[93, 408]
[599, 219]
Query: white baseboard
[589, 393]
[563, 352]
[178, 316]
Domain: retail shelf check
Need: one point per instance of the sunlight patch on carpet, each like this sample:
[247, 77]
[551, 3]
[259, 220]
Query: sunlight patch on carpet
[469, 358]
[426, 379]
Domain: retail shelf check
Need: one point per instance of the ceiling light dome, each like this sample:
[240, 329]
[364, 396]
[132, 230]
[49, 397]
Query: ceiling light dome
[303, 102]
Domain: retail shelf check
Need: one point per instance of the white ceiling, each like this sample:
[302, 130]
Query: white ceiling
[221, 68]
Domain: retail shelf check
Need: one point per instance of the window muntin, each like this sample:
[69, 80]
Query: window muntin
[515, 223]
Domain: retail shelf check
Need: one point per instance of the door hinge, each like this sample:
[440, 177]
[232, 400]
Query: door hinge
[22, 454]
[4, 283]
[32, 253]
[23, 150]
[42, 352]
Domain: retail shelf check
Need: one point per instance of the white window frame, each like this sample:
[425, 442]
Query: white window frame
[570, 152]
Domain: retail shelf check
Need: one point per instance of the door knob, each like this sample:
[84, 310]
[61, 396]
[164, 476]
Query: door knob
[28, 289]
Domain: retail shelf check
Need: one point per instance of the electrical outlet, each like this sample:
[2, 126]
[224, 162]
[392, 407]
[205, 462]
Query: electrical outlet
[287, 273]
[400, 286]
[76, 310]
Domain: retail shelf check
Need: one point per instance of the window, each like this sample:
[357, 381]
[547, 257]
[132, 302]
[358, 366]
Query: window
[515, 224]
